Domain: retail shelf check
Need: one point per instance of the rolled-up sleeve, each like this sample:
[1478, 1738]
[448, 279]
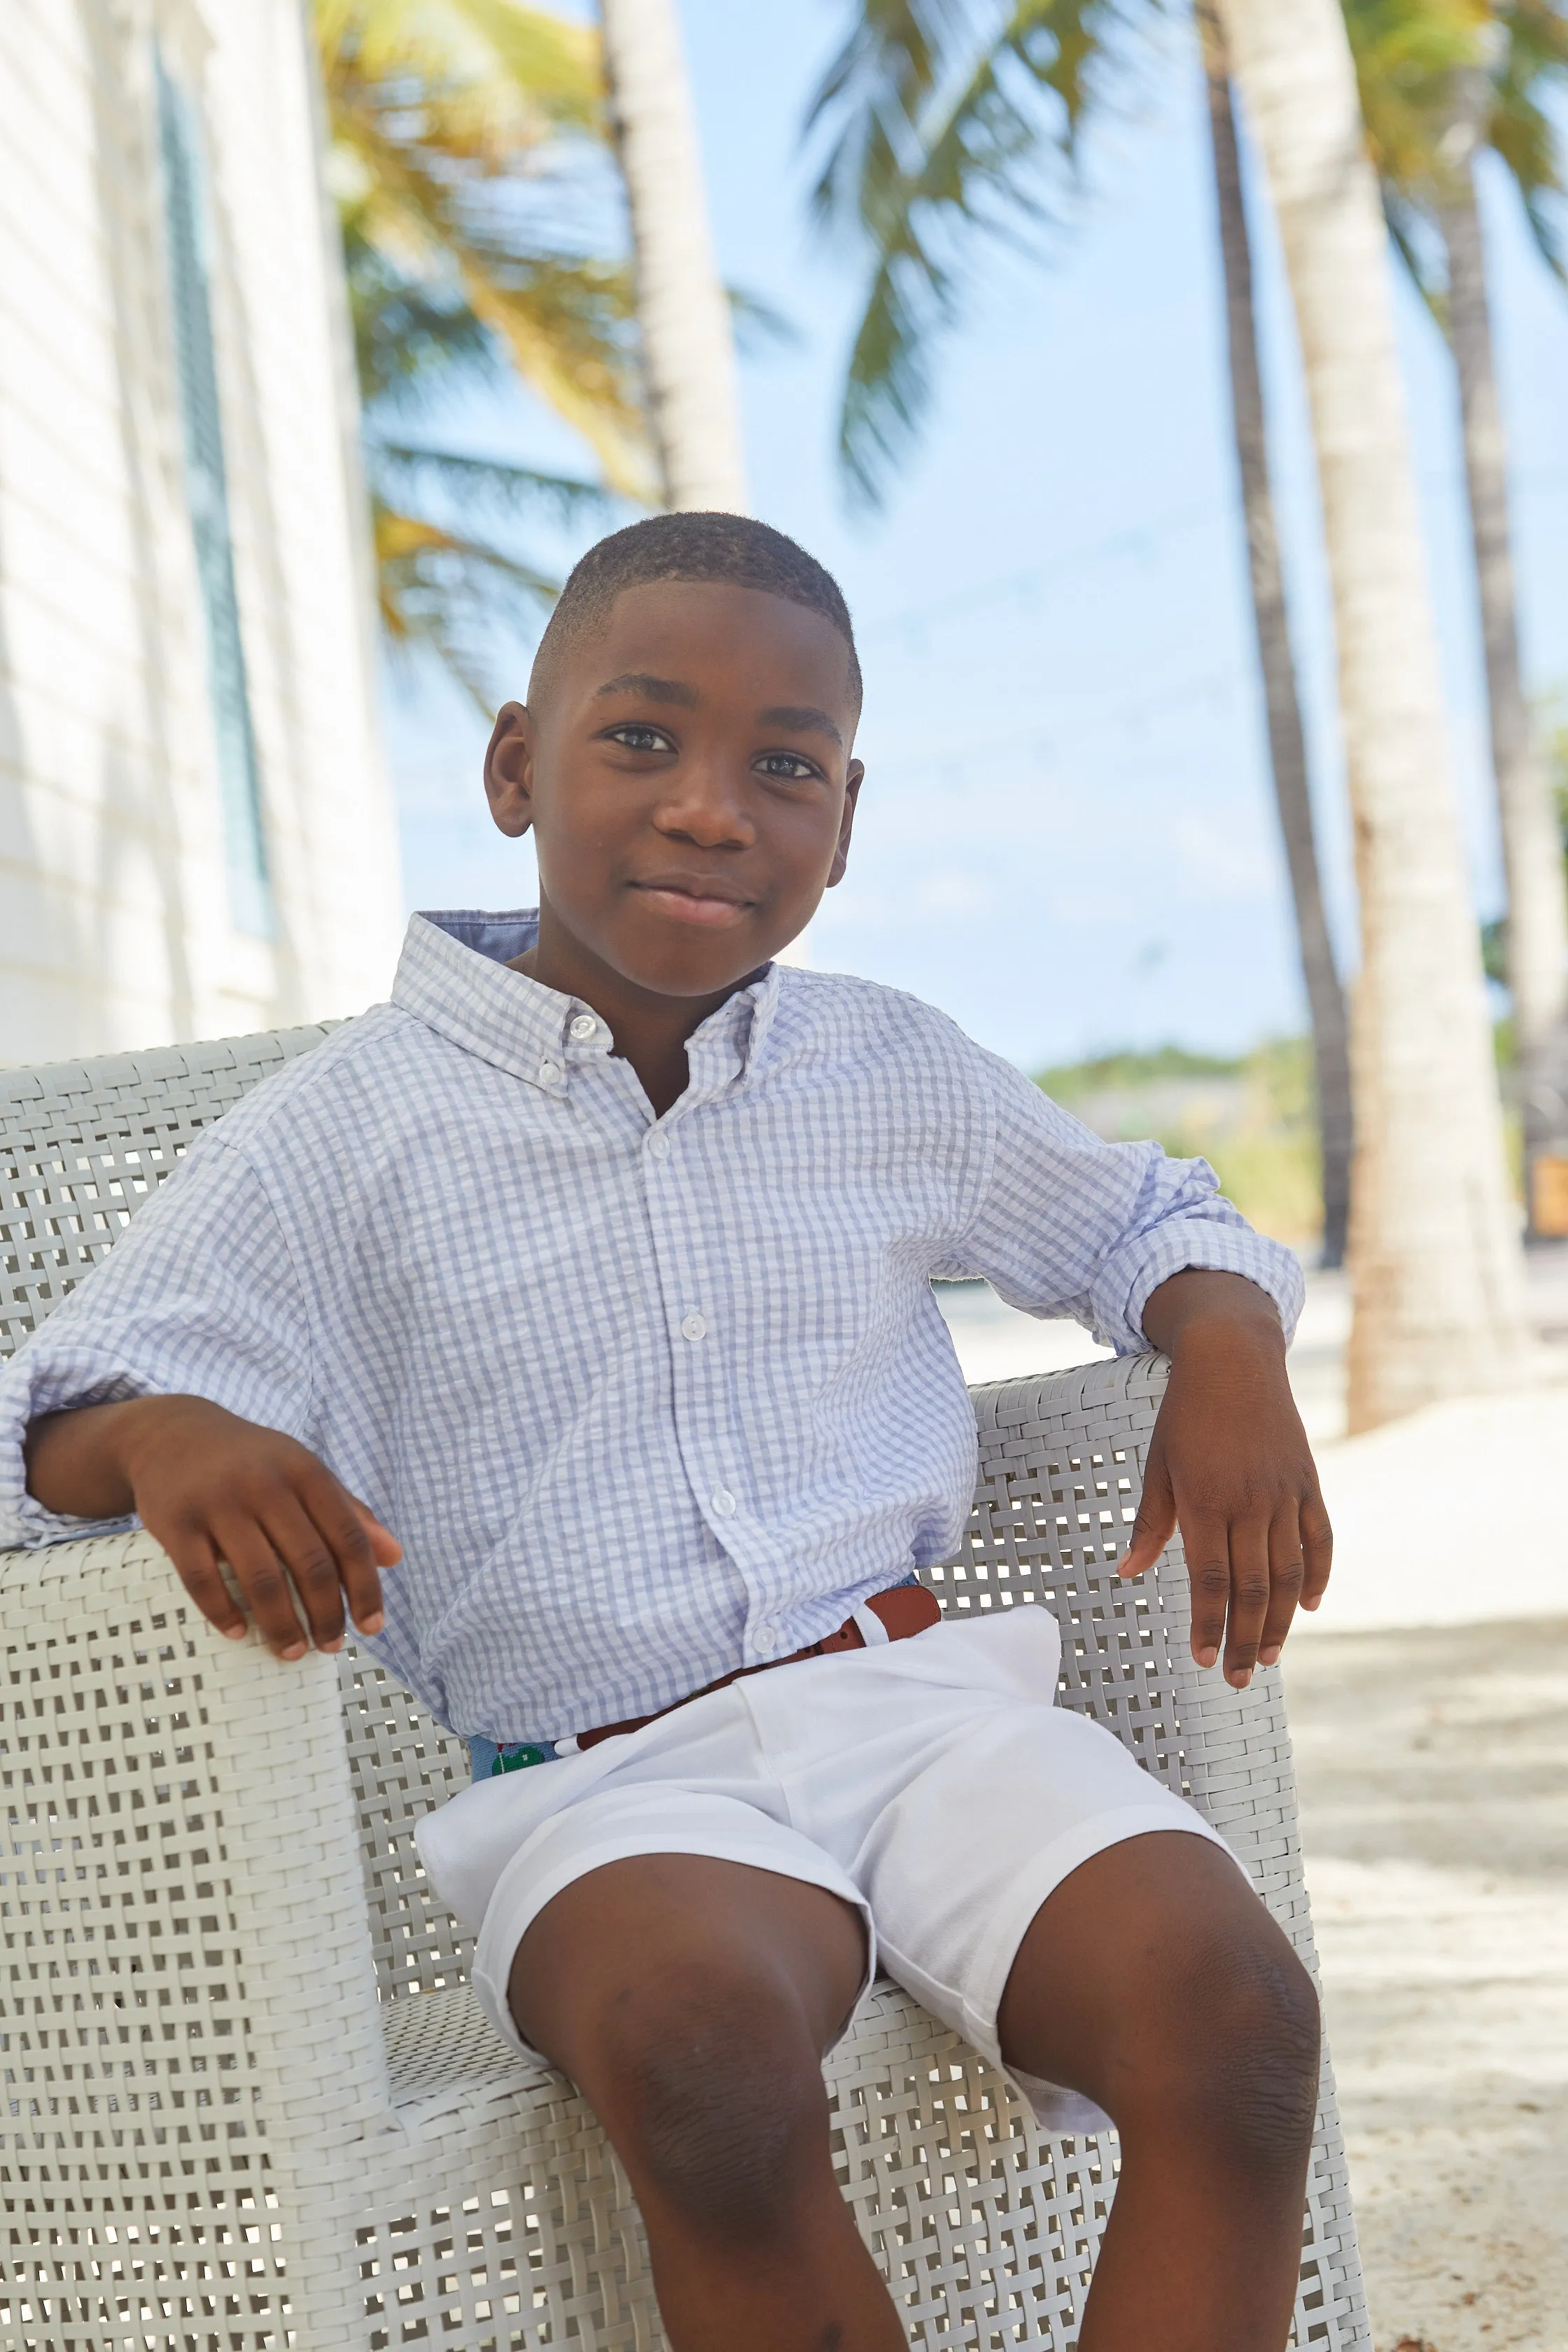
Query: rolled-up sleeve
[199, 1299]
[1066, 1224]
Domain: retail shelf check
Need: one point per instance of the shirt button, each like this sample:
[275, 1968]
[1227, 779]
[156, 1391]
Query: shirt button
[722, 1504]
[550, 1074]
[694, 1328]
[658, 1144]
[583, 1025]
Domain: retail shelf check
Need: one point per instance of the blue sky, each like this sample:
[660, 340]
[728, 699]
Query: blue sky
[1067, 835]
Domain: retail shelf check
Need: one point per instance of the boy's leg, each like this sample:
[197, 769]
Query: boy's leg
[690, 2000]
[1154, 1981]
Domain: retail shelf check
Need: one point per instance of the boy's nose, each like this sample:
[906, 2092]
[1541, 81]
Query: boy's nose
[708, 812]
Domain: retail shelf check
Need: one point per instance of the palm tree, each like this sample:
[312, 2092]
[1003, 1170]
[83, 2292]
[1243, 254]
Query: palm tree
[1287, 744]
[1434, 1258]
[927, 149]
[462, 132]
[687, 347]
[1439, 79]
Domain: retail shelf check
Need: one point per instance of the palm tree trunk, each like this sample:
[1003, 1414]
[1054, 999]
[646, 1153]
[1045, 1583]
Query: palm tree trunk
[1287, 746]
[1537, 928]
[1434, 1257]
[689, 352]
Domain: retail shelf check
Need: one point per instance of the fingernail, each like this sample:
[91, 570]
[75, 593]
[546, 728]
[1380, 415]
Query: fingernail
[235, 1632]
[332, 1647]
[372, 1624]
[296, 1651]
[1270, 1657]
[1238, 1677]
[1207, 1657]
[1316, 1603]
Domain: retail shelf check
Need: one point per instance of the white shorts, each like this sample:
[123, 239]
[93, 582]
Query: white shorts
[933, 1784]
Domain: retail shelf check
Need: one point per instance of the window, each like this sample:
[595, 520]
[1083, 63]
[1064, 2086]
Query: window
[239, 782]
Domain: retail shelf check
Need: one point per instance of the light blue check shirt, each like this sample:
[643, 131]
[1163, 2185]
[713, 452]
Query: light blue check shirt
[644, 1400]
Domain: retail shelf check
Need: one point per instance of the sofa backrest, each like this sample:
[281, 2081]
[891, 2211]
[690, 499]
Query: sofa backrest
[84, 1144]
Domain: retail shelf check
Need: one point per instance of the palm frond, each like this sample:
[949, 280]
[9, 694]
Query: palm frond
[443, 594]
[1408, 54]
[1524, 133]
[490, 484]
[487, 78]
[467, 138]
[1407, 230]
[448, 116]
[930, 139]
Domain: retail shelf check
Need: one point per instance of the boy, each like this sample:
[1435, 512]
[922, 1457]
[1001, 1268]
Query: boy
[597, 1265]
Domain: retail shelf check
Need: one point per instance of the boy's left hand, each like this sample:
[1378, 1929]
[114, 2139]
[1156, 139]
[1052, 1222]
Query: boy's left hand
[1230, 1464]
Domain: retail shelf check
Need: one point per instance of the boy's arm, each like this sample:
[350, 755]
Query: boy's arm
[168, 1384]
[212, 1488]
[1142, 1250]
[1230, 1463]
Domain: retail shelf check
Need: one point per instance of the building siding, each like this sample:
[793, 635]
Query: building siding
[116, 928]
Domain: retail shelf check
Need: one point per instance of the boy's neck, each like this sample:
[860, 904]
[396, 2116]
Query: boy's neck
[651, 1031]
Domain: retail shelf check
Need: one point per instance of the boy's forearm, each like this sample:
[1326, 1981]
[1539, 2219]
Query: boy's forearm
[1200, 1301]
[76, 1460]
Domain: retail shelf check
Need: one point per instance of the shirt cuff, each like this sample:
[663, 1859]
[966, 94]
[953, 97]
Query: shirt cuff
[1200, 1243]
[24, 1524]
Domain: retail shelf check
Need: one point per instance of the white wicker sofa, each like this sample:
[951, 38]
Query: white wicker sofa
[241, 2113]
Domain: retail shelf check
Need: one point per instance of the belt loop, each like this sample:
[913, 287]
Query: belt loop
[873, 1633]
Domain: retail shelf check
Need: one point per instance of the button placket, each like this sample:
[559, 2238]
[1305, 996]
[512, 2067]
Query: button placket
[704, 1448]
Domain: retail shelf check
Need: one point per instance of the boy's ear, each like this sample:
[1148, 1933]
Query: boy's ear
[852, 784]
[509, 770]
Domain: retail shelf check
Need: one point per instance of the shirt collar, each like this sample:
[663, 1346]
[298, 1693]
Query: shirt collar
[453, 976]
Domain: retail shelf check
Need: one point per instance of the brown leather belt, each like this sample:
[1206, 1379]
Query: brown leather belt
[903, 1609]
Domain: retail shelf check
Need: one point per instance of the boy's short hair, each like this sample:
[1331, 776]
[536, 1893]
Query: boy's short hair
[689, 546]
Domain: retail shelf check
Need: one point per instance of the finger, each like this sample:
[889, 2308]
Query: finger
[1285, 1570]
[264, 1582]
[196, 1565]
[1249, 1589]
[1155, 1519]
[1206, 1541]
[382, 1542]
[1317, 1550]
[351, 1531]
[311, 1564]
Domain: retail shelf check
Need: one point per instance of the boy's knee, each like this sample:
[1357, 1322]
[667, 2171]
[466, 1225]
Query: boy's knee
[715, 2095]
[1256, 2086]
[1241, 2028]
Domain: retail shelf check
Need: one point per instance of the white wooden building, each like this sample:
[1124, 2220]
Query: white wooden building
[196, 830]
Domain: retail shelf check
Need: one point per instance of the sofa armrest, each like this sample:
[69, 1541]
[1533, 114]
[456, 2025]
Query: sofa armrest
[189, 1907]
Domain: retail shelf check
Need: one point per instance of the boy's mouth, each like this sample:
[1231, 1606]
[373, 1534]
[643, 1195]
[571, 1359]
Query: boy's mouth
[692, 898]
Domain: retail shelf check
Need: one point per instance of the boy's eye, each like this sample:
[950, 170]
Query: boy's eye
[785, 767]
[633, 738]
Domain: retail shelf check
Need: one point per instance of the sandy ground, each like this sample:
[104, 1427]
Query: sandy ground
[1433, 1766]
[1429, 1706]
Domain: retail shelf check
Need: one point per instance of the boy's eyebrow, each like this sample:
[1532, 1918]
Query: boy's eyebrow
[803, 717]
[653, 690]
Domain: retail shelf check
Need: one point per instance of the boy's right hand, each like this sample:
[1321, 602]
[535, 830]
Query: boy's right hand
[212, 1488]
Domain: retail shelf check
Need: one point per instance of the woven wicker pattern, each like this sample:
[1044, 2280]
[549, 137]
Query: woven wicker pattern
[83, 1144]
[402, 1766]
[247, 2099]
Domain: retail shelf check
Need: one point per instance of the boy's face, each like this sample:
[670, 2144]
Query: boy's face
[689, 781]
